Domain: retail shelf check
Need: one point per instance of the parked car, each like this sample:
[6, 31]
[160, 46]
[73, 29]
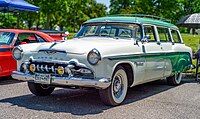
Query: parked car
[57, 35]
[9, 38]
[110, 54]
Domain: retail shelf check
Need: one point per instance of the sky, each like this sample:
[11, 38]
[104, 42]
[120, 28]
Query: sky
[105, 2]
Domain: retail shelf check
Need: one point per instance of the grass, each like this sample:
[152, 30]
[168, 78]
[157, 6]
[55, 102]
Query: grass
[191, 41]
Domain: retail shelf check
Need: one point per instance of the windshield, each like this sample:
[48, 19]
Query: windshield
[119, 30]
[6, 38]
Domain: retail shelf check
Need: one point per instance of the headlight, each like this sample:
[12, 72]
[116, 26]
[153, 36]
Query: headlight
[17, 53]
[94, 57]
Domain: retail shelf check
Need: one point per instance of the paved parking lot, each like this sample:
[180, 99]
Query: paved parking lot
[154, 100]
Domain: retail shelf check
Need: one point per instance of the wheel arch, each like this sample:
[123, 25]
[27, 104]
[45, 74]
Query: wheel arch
[128, 66]
[181, 65]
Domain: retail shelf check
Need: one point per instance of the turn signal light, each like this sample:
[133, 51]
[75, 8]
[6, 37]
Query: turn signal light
[32, 67]
[60, 70]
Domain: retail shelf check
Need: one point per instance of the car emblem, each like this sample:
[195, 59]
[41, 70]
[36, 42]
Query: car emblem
[50, 52]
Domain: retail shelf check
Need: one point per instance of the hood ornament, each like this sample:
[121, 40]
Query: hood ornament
[54, 43]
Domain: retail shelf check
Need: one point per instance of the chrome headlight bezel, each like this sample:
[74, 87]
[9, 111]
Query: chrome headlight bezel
[94, 57]
[17, 53]
[24, 67]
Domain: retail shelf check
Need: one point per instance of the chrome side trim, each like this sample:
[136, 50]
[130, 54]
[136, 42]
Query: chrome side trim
[102, 83]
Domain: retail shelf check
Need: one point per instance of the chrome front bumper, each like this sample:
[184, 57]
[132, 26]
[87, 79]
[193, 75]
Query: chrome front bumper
[63, 81]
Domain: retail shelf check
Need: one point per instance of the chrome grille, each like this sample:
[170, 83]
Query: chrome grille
[72, 68]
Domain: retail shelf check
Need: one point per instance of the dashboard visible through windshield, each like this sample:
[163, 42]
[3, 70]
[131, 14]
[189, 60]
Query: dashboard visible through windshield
[125, 31]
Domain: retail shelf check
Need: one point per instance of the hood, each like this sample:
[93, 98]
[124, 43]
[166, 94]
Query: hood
[31, 47]
[84, 45]
[5, 48]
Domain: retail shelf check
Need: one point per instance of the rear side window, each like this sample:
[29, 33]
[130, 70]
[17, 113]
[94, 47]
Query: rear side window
[27, 37]
[164, 34]
[175, 36]
[149, 33]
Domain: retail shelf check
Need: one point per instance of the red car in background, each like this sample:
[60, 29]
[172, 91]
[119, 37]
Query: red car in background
[10, 38]
[57, 35]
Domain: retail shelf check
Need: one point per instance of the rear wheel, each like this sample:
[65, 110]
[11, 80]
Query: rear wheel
[175, 79]
[40, 89]
[116, 93]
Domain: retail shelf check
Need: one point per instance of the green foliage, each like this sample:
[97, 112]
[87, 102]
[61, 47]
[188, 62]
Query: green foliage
[68, 14]
[7, 20]
[171, 9]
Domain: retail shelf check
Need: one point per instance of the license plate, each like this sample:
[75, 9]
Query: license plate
[43, 78]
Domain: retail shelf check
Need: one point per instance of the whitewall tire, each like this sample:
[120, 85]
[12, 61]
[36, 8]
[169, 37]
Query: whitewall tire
[175, 79]
[116, 93]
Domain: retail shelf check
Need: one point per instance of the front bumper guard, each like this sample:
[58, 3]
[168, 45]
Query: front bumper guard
[102, 83]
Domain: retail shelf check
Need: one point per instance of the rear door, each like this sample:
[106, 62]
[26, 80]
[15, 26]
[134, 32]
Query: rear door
[166, 44]
[153, 54]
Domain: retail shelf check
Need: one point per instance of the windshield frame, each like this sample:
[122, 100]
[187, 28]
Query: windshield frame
[106, 24]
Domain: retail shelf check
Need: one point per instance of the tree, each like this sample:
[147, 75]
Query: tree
[67, 14]
[174, 9]
[119, 6]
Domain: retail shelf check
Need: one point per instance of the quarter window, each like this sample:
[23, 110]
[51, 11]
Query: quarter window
[149, 33]
[175, 36]
[39, 38]
[163, 34]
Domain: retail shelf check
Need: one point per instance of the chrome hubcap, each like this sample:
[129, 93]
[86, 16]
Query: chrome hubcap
[178, 77]
[117, 86]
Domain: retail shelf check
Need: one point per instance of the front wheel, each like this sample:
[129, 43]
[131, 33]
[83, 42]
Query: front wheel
[116, 93]
[175, 79]
[40, 89]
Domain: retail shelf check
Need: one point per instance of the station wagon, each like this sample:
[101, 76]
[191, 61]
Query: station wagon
[110, 54]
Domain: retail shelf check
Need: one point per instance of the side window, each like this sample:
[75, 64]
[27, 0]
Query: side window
[163, 34]
[113, 32]
[26, 38]
[175, 36]
[149, 33]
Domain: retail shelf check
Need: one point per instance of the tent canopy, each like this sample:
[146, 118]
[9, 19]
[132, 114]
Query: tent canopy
[16, 6]
[190, 21]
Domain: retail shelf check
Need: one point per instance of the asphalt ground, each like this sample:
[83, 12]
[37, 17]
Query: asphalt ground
[155, 100]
